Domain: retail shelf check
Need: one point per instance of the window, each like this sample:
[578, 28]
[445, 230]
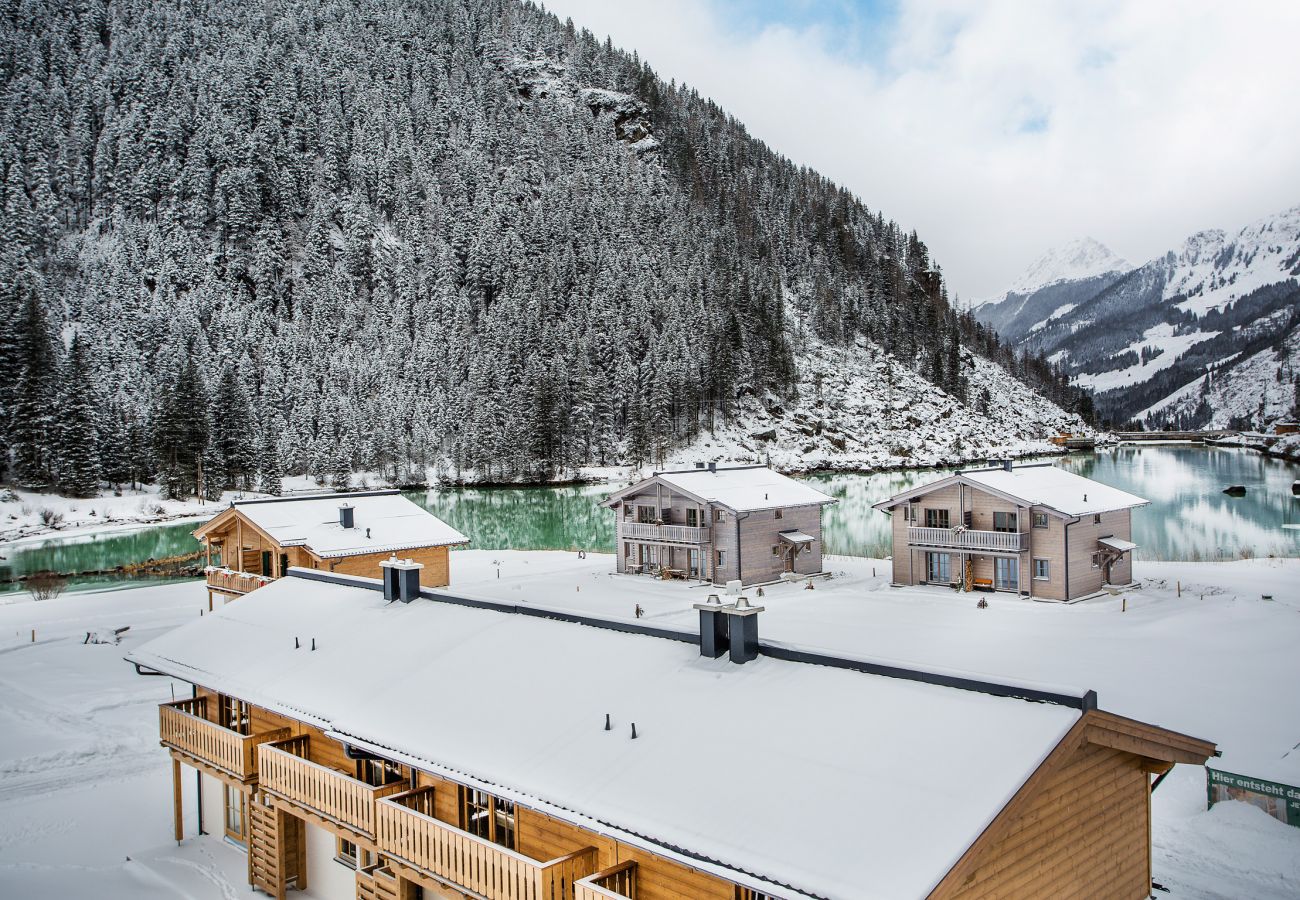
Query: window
[778, 514]
[346, 853]
[692, 518]
[1042, 569]
[1006, 573]
[666, 515]
[936, 567]
[1004, 521]
[1096, 518]
[719, 516]
[907, 513]
[1040, 520]
[936, 518]
[744, 893]
[721, 559]
[645, 515]
[379, 772]
[693, 563]
[236, 814]
[233, 714]
[284, 563]
[1096, 560]
[487, 816]
[776, 550]
[627, 511]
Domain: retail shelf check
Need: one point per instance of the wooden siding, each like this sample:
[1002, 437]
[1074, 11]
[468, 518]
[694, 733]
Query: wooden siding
[1084, 834]
[436, 571]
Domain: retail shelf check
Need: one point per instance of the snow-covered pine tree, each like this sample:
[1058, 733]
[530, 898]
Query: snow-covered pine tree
[79, 437]
[31, 430]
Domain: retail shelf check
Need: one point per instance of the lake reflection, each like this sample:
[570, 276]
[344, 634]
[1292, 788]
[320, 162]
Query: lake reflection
[1189, 517]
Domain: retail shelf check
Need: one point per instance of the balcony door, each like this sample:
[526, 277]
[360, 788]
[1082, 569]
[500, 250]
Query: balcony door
[1004, 521]
[1006, 574]
[233, 714]
[487, 816]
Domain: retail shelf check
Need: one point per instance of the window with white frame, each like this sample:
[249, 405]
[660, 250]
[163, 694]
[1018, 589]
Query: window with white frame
[936, 567]
[1042, 569]
[1040, 520]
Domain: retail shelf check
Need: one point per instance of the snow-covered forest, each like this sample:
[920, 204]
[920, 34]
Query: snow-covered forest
[245, 240]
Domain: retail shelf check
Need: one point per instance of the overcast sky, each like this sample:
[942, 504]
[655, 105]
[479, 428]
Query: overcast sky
[1000, 129]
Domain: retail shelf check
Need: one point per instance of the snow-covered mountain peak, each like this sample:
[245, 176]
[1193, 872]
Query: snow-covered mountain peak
[1080, 258]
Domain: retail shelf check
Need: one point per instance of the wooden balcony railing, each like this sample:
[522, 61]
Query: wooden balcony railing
[286, 772]
[406, 831]
[967, 539]
[376, 883]
[675, 534]
[183, 726]
[235, 582]
[615, 882]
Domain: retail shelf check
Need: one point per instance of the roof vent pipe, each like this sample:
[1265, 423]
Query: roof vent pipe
[401, 579]
[345, 516]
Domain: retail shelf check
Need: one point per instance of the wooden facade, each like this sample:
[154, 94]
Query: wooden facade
[409, 827]
[959, 534]
[241, 557]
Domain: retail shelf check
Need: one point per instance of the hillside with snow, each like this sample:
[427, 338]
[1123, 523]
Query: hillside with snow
[858, 408]
[1222, 310]
[1051, 287]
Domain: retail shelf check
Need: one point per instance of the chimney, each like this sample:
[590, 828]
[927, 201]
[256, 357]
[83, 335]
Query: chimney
[699, 465]
[742, 630]
[713, 628]
[345, 515]
[1006, 465]
[401, 579]
[713, 466]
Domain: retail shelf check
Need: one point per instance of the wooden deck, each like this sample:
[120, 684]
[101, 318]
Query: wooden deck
[407, 832]
[183, 726]
[231, 582]
[669, 534]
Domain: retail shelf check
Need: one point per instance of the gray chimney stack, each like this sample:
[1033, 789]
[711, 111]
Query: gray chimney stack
[742, 629]
[713, 466]
[1006, 465]
[713, 628]
[345, 515]
[401, 579]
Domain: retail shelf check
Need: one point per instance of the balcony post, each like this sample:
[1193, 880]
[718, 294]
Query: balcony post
[176, 799]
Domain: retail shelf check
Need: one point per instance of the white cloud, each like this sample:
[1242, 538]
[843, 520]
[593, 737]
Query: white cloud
[1000, 129]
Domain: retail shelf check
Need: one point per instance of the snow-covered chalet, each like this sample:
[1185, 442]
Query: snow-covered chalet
[359, 747]
[719, 524]
[1034, 530]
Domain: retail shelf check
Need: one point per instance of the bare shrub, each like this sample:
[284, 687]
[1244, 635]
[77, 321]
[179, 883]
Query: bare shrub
[50, 517]
[46, 585]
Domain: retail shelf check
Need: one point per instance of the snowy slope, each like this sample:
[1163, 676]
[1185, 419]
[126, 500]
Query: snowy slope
[861, 409]
[1217, 299]
[1051, 287]
[1079, 259]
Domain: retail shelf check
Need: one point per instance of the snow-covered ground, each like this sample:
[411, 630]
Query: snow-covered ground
[85, 789]
[26, 514]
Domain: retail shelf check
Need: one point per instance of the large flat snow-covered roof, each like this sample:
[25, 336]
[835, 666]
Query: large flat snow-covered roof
[744, 488]
[383, 521]
[831, 782]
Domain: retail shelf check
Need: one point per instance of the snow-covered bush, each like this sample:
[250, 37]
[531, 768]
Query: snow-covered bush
[51, 518]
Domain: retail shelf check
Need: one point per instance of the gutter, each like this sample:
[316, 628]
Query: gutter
[1074, 521]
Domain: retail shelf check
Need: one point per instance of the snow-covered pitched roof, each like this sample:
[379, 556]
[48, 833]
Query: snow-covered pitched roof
[1063, 491]
[1035, 485]
[740, 488]
[383, 521]
[833, 782]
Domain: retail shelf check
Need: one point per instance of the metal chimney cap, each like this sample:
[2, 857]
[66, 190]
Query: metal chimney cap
[395, 563]
[742, 608]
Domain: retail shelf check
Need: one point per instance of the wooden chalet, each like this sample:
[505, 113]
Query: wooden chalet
[589, 760]
[253, 542]
[719, 524]
[1034, 530]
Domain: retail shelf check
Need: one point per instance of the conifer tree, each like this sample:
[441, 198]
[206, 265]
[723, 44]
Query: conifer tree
[79, 425]
[31, 422]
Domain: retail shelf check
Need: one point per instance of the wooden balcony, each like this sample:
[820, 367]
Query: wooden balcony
[668, 534]
[183, 726]
[376, 883]
[229, 581]
[968, 539]
[407, 832]
[326, 795]
[615, 882]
